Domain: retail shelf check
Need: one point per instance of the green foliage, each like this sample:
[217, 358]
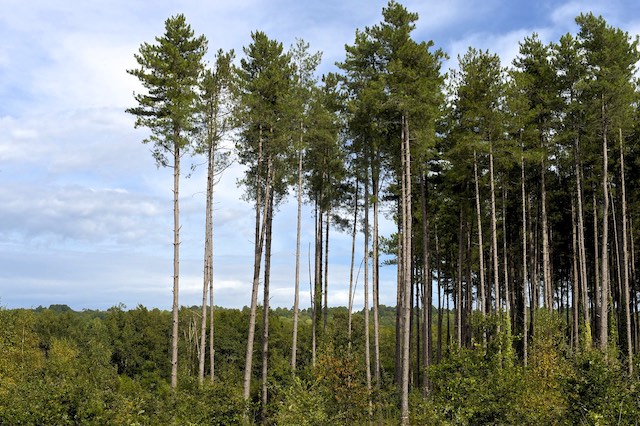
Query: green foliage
[302, 404]
[170, 72]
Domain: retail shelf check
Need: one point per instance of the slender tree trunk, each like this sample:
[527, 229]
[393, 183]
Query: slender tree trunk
[376, 283]
[353, 255]
[604, 305]
[582, 249]
[176, 263]
[546, 258]
[318, 262]
[597, 285]
[426, 290]
[406, 170]
[458, 321]
[265, 302]
[494, 234]
[256, 271]
[367, 344]
[625, 250]
[207, 261]
[212, 351]
[439, 348]
[525, 284]
[575, 274]
[399, 296]
[296, 297]
[480, 243]
[507, 300]
[326, 272]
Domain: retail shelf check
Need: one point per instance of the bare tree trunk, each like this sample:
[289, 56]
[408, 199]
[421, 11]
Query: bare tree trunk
[296, 297]
[318, 263]
[367, 353]
[576, 282]
[212, 352]
[604, 305]
[426, 290]
[399, 296]
[597, 285]
[376, 285]
[439, 349]
[507, 301]
[581, 249]
[494, 235]
[480, 243]
[176, 263]
[265, 303]
[458, 321]
[208, 261]
[326, 272]
[353, 254]
[546, 259]
[625, 250]
[256, 271]
[407, 211]
[525, 284]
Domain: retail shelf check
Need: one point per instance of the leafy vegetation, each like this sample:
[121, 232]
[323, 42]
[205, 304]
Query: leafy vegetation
[66, 368]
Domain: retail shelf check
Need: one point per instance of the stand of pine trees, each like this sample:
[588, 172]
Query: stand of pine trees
[514, 192]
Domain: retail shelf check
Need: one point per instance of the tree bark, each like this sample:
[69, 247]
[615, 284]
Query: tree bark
[582, 249]
[367, 350]
[494, 234]
[426, 290]
[480, 242]
[265, 303]
[207, 261]
[376, 283]
[259, 232]
[546, 259]
[176, 262]
[604, 304]
[625, 251]
[353, 255]
[406, 170]
[525, 284]
[296, 297]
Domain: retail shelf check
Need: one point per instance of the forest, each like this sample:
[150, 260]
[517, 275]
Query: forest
[515, 193]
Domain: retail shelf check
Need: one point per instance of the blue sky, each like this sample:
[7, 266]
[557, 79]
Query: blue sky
[85, 215]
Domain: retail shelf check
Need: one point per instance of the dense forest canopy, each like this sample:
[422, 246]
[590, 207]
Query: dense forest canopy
[513, 189]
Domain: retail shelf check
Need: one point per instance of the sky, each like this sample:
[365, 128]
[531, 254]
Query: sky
[86, 217]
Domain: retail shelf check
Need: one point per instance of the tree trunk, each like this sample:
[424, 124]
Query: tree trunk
[426, 290]
[525, 284]
[575, 274]
[353, 255]
[325, 314]
[407, 211]
[546, 259]
[208, 260]
[597, 284]
[176, 263]
[458, 321]
[604, 304]
[296, 297]
[494, 235]
[480, 243]
[265, 303]
[625, 252]
[376, 283]
[439, 348]
[318, 263]
[367, 352]
[582, 249]
[259, 232]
